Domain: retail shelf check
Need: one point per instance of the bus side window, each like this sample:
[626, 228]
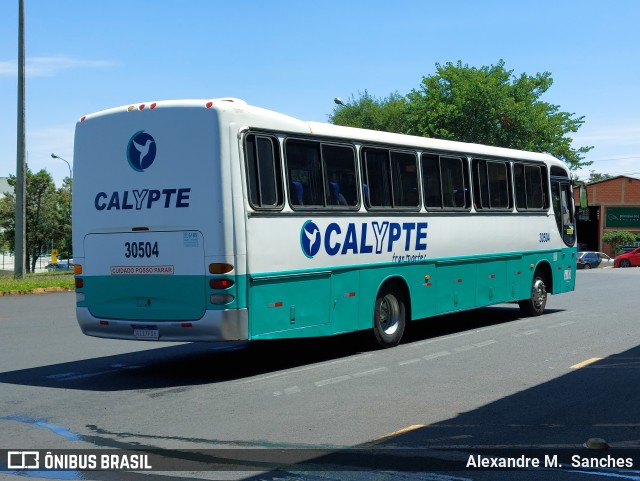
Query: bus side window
[455, 194]
[264, 179]
[432, 191]
[304, 171]
[340, 171]
[377, 177]
[404, 172]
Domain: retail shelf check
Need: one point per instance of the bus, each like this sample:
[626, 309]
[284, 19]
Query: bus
[215, 220]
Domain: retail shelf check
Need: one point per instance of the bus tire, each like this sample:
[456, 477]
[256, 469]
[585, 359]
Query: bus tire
[389, 316]
[535, 305]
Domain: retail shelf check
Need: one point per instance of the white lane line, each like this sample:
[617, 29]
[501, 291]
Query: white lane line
[436, 355]
[561, 324]
[370, 372]
[409, 361]
[304, 369]
[464, 348]
[61, 376]
[333, 380]
[527, 333]
[485, 343]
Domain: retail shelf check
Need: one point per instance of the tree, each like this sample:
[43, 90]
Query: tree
[596, 177]
[46, 213]
[487, 105]
[617, 239]
[367, 112]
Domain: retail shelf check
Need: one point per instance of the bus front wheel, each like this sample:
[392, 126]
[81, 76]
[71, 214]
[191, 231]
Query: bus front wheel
[389, 316]
[535, 305]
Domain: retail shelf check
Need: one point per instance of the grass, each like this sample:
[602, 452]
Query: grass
[32, 283]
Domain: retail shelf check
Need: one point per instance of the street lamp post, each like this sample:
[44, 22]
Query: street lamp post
[54, 156]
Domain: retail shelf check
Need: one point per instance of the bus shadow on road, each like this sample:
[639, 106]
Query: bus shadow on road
[582, 424]
[193, 364]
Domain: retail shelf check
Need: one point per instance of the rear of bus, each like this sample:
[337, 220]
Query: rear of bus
[153, 235]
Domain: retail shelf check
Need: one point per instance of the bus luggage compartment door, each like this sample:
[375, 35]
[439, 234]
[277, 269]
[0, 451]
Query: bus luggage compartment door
[150, 275]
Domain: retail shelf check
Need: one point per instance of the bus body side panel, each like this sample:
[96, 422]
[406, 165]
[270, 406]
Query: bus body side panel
[336, 288]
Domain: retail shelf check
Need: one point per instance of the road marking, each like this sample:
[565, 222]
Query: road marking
[561, 324]
[370, 372]
[61, 376]
[436, 355]
[485, 343]
[527, 333]
[303, 369]
[408, 429]
[332, 380]
[464, 348]
[586, 363]
[410, 361]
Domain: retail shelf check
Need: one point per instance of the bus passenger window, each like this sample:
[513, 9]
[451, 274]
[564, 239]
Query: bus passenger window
[404, 172]
[263, 171]
[377, 177]
[454, 191]
[304, 169]
[340, 171]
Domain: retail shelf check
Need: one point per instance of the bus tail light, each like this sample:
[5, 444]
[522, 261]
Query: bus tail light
[220, 283]
[221, 299]
[79, 283]
[77, 269]
[220, 268]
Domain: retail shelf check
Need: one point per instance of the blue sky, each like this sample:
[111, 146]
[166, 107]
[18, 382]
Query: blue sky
[295, 56]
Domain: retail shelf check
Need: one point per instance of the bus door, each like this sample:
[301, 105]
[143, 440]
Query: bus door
[563, 208]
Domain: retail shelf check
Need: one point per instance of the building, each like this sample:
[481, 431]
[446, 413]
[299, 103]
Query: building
[614, 205]
[4, 186]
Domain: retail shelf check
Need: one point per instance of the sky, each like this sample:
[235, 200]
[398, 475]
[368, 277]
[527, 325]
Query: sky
[295, 57]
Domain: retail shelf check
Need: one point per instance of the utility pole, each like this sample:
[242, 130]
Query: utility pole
[21, 183]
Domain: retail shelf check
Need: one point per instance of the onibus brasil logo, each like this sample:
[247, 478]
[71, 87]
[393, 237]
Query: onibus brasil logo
[141, 151]
[405, 240]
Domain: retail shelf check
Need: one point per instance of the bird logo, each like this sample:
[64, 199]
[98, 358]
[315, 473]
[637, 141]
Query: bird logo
[141, 151]
[310, 239]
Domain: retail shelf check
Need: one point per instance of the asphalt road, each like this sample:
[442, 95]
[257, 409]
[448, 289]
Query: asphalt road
[457, 385]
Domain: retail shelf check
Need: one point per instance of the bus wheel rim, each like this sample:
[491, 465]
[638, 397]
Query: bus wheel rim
[389, 314]
[539, 293]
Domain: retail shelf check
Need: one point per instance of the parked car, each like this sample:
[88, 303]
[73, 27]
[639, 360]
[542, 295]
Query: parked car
[591, 260]
[628, 259]
[61, 265]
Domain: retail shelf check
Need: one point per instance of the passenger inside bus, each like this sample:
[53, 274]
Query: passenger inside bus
[296, 192]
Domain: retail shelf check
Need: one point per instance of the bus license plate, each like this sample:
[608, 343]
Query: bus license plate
[146, 332]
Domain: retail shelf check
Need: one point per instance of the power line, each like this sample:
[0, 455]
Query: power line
[614, 158]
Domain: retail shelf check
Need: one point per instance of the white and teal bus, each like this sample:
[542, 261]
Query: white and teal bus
[212, 220]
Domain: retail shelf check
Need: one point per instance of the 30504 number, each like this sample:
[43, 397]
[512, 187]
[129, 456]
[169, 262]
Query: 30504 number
[545, 237]
[141, 249]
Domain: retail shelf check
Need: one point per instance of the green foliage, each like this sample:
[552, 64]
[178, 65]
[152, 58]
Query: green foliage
[367, 112]
[617, 239]
[48, 216]
[35, 283]
[487, 105]
[596, 177]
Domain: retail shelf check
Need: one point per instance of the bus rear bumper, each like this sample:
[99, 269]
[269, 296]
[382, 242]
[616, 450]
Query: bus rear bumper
[227, 325]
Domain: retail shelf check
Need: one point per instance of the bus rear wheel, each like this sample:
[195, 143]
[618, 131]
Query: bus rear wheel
[389, 316]
[535, 305]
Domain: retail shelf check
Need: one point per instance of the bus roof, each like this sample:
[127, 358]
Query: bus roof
[257, 117]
